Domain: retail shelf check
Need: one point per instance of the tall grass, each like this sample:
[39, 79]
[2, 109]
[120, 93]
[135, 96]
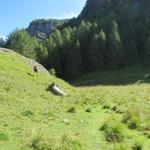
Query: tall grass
[113, 129]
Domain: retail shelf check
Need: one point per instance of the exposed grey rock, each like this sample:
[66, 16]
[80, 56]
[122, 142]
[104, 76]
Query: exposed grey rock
[41, 28]
[27, 61]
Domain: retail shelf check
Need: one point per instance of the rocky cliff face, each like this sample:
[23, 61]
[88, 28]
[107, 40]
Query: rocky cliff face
[41, 28]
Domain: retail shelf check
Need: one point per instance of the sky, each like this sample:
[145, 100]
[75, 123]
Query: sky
[17, 14]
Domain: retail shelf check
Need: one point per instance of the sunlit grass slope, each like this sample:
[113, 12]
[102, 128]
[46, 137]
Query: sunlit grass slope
[99, 117]
[24, 102]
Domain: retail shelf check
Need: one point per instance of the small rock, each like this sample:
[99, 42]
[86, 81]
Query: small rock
[81, 121]
[66, 121]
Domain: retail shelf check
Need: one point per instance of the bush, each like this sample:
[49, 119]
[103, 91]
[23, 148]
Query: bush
[107, 104]
[132, 118]
[113, 130]
[27, 113]
[72, 109]
[88, 110]
[116, 109]
[147, 133]
[139, 143]
[69, 143]
[3, 137]
[145, 127]
[52, 72]
[40, 142]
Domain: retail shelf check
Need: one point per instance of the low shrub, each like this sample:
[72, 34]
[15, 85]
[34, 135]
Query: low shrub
[72, 109]
[27, 113]
[114, 108]
[66, 142]
[147, 133]
[70, 143]
[132, 117]
[41, 143]
[117, 109]
[145, 127]
[113, 130]
[3, 137]
[138, 145]
[107, 104]
[52, 71]
[88, 110]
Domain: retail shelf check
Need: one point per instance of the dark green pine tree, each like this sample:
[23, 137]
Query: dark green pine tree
[49, 44]
[82, 26]
[41, 53]
[131, 53]
[101, 50]
[57, 37]
[54, 61]
[147, 52]
[84, 36]
[32, 45]
[55, 48]
[2, 42]
[94, 28]
[66, 35]
[115, 52]
[96, 52]
[93, 53]
[74, 62]
[21, 42]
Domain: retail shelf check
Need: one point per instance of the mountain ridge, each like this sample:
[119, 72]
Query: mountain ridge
[101, 5]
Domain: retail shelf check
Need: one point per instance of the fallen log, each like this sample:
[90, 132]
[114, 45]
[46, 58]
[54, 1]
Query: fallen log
[57, 91]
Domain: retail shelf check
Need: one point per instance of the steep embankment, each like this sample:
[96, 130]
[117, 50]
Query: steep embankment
[24, 101]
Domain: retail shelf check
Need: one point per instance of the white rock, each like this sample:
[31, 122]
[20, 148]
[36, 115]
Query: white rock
[66, 121]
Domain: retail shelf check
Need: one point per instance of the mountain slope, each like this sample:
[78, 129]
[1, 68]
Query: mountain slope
[32, 118]
[110, 34]
[23, 98]
[103, 7]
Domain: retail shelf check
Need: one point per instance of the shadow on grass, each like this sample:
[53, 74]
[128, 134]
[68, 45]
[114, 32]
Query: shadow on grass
[136, 75]
[30, 74]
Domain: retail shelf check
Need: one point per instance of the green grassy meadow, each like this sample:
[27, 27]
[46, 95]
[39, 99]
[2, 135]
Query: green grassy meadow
[103, 110]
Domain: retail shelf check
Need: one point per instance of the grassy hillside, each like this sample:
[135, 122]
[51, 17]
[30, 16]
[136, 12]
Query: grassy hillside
[96, 117]
[128, 76]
